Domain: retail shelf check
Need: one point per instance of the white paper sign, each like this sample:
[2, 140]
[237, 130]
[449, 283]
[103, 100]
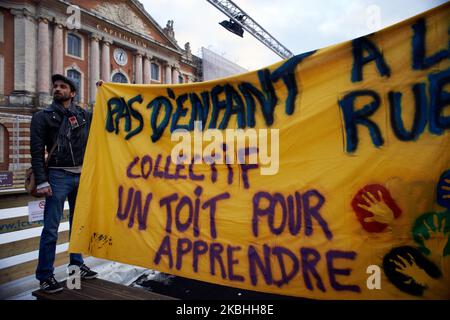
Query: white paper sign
[36, 210]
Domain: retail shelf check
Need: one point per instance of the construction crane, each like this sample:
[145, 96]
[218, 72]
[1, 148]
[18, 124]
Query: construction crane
[240, 20]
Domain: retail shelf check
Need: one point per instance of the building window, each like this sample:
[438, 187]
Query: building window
[75, 76]
[155, 71]
[119, 78]
[4, 148]
[74, 45]
[180, 78]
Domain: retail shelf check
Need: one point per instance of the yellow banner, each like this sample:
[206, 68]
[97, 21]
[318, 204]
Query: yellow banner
[345, 193]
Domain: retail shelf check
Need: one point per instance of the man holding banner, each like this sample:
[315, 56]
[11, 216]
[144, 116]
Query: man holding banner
[62, 129]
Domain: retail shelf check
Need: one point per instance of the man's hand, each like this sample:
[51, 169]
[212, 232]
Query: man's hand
[99, 83]
[46, 191]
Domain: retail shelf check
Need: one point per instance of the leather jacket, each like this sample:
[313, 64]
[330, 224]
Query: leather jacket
[49, 124]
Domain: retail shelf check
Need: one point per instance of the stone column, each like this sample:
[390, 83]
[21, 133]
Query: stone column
[106, 64]
[175, 75]
[43, 81]
[2, 75]
[95, 66]
[168, 73]
[138, 68]
[58, 49]
[147, 69]
[24, 57]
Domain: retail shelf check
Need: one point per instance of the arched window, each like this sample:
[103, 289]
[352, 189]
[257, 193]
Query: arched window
[119, 77]
[155, 71]
[75, 76]
[74, 45]
[4, 148]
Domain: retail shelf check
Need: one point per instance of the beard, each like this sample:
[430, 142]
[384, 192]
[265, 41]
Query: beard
[59, 97]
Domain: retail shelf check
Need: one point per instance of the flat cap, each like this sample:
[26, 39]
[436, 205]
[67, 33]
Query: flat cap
[64, 79]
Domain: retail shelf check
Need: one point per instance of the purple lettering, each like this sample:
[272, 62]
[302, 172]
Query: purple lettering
[254, 262]
[179, 167]
[281, 252]
[295, 221]
[137, 207]
[198, 192]
[164, 249]
[212, 212]
[242, 153]
[185, 201]
[157, 172]
[166, 201]
[309, 266]
[332, 271]
[192, 174]
[144, 171]
[313, 211]
[213, 173]
[215, 254]
[200, 247]
[184, 246]
[167, 174]
[278, 198]
[122, 215]
[244, 173]
[258, 211]
[232, 262]
[130, 167]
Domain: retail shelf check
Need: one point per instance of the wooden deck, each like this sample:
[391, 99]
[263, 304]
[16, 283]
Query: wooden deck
[97, 289]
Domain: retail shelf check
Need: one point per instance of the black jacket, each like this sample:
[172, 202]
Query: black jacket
[45, 128]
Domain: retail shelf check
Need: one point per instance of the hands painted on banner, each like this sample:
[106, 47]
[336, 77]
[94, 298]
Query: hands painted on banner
[443, 190]
[446, 188]
[375, 208]
[436, 240]
[411, 272]
[382, 213]
[431, 232]
[410, 269]
[423, 279]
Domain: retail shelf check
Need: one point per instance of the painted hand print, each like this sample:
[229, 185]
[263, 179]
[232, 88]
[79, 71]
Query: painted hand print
[443, 190]
[99, 241]
[408, 270]
[375, 208]
[431, 232]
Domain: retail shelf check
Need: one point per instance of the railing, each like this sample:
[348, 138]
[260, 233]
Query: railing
[19, 239]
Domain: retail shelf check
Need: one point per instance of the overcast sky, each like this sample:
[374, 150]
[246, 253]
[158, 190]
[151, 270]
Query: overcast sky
[300, 25]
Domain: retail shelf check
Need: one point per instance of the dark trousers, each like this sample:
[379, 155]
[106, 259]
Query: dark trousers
[64, 185]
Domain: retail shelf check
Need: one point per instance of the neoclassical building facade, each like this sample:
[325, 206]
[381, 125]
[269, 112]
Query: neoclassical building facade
[85, 40]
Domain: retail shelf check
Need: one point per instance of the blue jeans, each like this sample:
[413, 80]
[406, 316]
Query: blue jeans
[64, 185]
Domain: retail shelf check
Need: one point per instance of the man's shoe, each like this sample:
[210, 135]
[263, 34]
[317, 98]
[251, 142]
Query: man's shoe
[87, 273]
[50, 285]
